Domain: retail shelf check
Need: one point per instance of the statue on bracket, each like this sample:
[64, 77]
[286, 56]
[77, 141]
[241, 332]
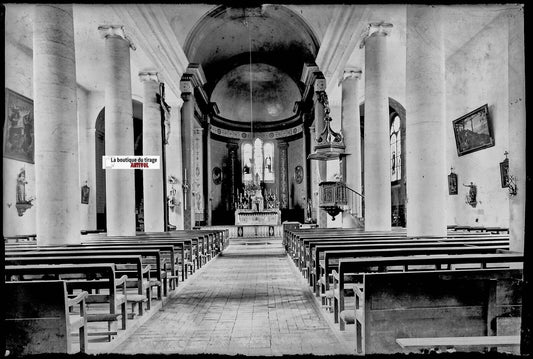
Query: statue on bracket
[471, 197]
[22, 202]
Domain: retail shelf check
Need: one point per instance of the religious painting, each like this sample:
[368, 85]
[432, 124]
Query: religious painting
[473, 131]
[504, 173]
[18, 128]
[217, 175]
[452, 183]
[298, 174]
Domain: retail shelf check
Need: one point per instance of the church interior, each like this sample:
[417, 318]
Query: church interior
[265, 179]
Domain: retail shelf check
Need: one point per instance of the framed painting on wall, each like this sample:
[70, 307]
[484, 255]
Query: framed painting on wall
[18, 128]
[452, 183]
[504, 173]
[473, 131]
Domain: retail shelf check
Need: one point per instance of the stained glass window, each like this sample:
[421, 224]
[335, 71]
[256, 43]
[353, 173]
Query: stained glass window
[258, 161]
[247, 156]
[269, 162]
[395, 149]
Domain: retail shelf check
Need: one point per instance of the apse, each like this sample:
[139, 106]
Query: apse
[273, 94]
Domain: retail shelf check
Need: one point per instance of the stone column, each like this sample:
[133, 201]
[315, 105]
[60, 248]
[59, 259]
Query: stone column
[232, 155]
[351, 129]
[187, 120]
[314, 175]
[120, 184]
[198, 174]
[321, 166]
[283, 175]
[377, 147]
[305, 137]
[425, 123]
[57, 187]
[209, 178]
[517, 130]
[154, 212]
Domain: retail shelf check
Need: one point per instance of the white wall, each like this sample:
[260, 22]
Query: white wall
[18, 78]
[477, 74]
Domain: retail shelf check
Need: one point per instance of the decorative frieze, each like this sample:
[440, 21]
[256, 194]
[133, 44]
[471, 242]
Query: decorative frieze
[270, 135]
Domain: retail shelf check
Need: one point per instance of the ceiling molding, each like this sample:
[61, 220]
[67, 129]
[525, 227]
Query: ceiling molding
[153, 35]
[342, 36]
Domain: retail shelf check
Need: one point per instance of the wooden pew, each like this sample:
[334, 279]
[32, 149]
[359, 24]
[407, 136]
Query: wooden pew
[351, 249]
[446, 304]
[21, 238]
[191, 248]
[105, 272]
[303, 242]
[180, 260]
[37, 318]
[140, 278]
[409, 263]
[150, 256]
[391, 252]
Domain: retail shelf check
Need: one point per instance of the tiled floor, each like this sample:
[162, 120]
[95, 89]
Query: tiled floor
[250, 300]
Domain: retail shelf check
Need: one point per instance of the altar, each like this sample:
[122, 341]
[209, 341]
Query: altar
[250, 217]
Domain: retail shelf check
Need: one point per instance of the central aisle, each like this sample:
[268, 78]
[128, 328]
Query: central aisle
[249, 300]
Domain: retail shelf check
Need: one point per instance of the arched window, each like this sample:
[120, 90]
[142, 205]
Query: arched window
[395, 149]
[247, 158]
[269, 162]
[258, 161]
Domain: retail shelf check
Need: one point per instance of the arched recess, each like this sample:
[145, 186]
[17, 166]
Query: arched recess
[398, 188]
[100, 172]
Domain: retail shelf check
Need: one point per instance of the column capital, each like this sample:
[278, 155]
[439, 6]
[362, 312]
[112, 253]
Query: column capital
[320, 84]
[375, 29]
[186, 96]
[186, 86]
[115, 31]
[351, 73]
[146, 76]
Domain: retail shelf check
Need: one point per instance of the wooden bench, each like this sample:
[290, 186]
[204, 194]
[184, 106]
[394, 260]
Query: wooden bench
[21, 238]
[151, 256]
[87, 277]
[320, 247]
[190, 249]
[356, 267]
[444, 304]
[305, 242]
[139, 278]
[181, 247]
[331, 256]
[463, 343]
[37, 318]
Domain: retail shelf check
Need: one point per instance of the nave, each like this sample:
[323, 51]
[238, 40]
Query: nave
[249, 300]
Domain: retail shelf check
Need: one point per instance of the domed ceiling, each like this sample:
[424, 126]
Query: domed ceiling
[276, 40]
[274, 94]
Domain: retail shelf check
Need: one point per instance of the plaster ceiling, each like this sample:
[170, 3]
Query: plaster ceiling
[274, 94]
[277, 40]
[226, 38]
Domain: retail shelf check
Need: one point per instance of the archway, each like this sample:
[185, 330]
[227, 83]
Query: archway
[101, 223]
[398, 185]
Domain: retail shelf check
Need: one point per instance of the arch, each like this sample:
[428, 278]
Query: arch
[100, 190]
[398, 188]
[220, 41]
